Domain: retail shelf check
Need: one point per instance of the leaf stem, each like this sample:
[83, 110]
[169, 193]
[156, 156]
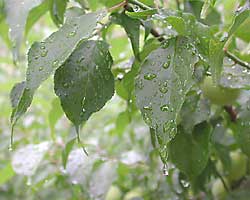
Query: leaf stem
[178, 4]
[140, 4]
[236, 59]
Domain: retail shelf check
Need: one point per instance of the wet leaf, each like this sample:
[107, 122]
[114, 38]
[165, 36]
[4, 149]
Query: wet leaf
[161, 87]
[45, 57]
[84, 83]
[190, 153]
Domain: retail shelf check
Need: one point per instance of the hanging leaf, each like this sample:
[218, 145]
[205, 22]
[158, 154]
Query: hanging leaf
[84, 83]
[162, 84]
[45, 57]
[190, 152]
[57, 10]
[132, 28]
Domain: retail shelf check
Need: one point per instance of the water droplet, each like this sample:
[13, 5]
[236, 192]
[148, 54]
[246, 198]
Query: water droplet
[185, 183]
[148, 107]
[40, 68]
[166, 44]
[55, 63]
[28, 183]
[165, 169]
[146, 118]
[83, 101]
[165, 108]
[140, 84]
[36, 57]
[44, 53]
[72, 33]
[149, 76]
[42, 47]
[166, 65]
[66, 85]
[10, 147]
[163, 89]
[83, 110]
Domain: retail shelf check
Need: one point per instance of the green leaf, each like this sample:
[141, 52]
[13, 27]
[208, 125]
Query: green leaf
[194, 111]
[206, 8]
[6, 174]
[45, 57]
[216, 55]
[239, 18]
[190, 152]
[84, 83]
[132, 28]
[57, 10]
[35, 14]
[122, 122]
[4, 33]
[142, 14]
[66, 151]
[166, 77]
[17, 13]
[55, 114]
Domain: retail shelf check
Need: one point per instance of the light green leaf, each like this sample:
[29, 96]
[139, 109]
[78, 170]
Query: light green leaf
[66, 151]
[205, 8]
[35, 15]
[190, 153]
[240, 17]
[141, 14]
[84, 83]
[132, 28]
[45, 57]
[216, 55]
[54, 115]
[6, 174]
[165, 78]
[17, 12]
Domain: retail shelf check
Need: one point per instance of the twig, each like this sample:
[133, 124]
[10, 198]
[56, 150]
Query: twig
[232, 113]
[236, 59]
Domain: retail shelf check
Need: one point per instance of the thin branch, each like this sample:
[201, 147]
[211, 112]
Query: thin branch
[232, 113]
[237, 60]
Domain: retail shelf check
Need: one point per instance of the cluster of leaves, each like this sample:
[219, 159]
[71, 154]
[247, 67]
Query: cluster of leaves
[173, 50]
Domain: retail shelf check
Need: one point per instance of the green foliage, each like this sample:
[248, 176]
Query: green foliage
[143, 84]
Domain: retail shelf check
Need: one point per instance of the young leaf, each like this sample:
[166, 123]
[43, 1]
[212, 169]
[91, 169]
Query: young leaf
[84, 83]
[162, 84]
[132, 28]
[190, 153]
[45, 57]
[66, 151]
[17, 12]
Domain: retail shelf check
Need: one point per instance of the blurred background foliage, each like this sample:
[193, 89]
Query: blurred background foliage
[122, 164]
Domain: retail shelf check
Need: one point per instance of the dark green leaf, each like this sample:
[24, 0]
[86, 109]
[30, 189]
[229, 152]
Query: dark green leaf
[190, 153]
[132, 28]
[45, 57]
[57, 10]
[161, 87]
[84, 83]
[142, 14]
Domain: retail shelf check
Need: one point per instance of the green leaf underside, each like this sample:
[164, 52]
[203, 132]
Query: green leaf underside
[84, 83]
[45, 57]
[17, 13]
[161, 87]
[132, 28]
[190, 152]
